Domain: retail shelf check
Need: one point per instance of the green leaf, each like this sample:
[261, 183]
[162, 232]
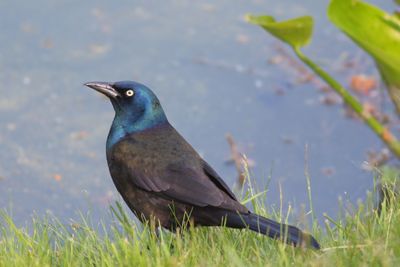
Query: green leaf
[376, 31]
[295, 32]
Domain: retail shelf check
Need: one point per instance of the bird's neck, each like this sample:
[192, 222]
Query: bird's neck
[123, 126]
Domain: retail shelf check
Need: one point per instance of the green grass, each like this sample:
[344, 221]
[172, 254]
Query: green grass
[357, 238]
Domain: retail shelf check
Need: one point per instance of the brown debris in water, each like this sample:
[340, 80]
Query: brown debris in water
[237, 159]
[362, 84]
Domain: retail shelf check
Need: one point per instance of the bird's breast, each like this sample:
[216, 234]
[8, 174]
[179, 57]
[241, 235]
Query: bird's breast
[150, 150]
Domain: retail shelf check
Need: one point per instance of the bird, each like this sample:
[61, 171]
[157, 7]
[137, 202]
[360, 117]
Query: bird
[164, 180]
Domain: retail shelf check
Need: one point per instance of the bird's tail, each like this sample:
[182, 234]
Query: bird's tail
[289, 234]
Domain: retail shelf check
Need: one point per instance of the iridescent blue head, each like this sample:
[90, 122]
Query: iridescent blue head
[136, 107]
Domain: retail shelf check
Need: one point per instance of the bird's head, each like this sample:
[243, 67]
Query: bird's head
[136, 106]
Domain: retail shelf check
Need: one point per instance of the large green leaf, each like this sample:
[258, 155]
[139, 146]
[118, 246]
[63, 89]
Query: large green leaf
[376, 31]
[295, 32]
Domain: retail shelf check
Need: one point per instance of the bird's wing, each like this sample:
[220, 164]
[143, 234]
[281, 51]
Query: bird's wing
[195, 185]
[217, 180]
[180, 183]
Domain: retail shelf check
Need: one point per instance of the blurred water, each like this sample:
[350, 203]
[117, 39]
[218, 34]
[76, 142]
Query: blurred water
[210, 70]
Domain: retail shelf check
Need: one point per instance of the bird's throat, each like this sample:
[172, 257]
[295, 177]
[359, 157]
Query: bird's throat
[123, 126]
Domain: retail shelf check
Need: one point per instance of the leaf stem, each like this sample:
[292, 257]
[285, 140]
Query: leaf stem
[381, 131]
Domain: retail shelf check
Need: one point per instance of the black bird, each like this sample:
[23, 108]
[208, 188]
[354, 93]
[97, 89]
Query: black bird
[162, 178]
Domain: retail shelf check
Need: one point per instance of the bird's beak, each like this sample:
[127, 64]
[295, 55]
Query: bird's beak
[104, 88]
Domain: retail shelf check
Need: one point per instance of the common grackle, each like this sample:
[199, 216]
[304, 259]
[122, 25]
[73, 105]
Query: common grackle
[162, 178]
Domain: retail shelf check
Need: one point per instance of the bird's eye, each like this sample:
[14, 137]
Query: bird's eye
[129, 93]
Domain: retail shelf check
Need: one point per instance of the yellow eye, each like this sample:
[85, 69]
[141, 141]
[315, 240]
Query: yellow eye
[129, 93]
